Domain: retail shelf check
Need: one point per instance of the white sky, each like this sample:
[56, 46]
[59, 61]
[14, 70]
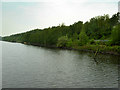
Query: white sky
[24, 15]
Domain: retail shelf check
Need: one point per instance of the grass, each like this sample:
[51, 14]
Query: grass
[101, 48]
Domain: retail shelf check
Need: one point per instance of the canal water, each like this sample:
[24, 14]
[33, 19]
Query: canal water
[26, 66]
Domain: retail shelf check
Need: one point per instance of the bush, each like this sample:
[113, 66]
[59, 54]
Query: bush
[75, 43]
[91, 41]
[83, 38]
[116, 35]
[62, 41]
[69, 43]
[108, 43]
[103, 37]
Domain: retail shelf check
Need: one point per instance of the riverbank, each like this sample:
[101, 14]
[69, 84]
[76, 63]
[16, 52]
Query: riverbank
[112, 50]
[103, 49]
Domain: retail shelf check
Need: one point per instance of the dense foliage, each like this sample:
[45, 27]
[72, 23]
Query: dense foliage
[0, 38]
[78, 34]
[62, 41]
[83, 38]
[116, 35]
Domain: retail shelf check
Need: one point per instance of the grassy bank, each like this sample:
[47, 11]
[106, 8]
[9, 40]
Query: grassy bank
[101, 34]
[112, 50]
[104, 49]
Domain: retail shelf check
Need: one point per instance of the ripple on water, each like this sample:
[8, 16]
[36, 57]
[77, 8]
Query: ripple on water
[30, 66]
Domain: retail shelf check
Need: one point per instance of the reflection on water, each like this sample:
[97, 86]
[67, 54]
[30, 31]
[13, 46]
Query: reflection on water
[27, 66]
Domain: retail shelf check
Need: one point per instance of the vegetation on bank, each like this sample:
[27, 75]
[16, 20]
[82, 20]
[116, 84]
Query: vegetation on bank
[100, 33]
[0, 38]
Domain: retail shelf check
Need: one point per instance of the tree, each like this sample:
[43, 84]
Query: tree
[62, 41]
[99, 27]
[69, 43]
[83, 38]
[116, 35]
[75, 37]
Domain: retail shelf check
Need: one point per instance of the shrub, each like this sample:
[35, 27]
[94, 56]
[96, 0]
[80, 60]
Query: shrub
[91, 41]
[62, 41]
[108, 43]
[69, 43]
[115, 36]
[83, 38]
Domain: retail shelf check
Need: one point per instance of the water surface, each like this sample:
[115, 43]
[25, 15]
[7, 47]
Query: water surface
[26, 66]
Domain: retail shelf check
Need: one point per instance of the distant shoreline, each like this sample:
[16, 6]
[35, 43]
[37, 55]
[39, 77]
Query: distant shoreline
[80, 48]
[99, 35]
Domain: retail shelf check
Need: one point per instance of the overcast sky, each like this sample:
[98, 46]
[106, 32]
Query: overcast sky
[26, 15]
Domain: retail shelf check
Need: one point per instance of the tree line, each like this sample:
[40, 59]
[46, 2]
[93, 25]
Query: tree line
[78, 34]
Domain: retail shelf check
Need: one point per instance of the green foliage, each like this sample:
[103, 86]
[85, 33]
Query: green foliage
[100, 27]
[0, 38]
[102, 48]
[91, 41]
[75, 43]
[108, 43]
[75, 35]
[103, 37]
[69, 43]
[98, 42]
[83, 38]
[116, 35]
[62, 41]
[114, 19]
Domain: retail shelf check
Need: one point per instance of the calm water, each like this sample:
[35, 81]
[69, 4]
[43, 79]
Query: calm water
[26, 66]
